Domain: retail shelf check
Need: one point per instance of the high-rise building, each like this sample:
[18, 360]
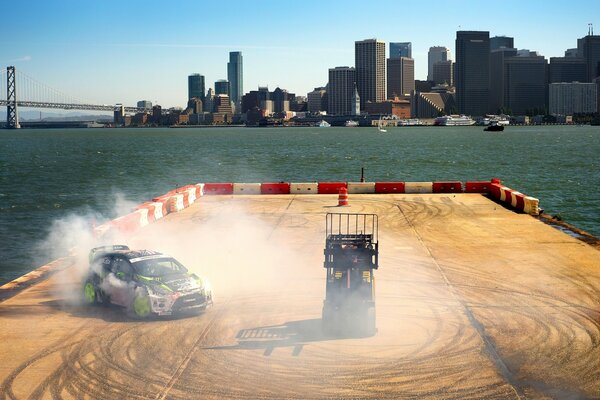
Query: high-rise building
[341, 89]
[443, 72]
[222, 87]
[317, 100]
[501, 42]
[572, 98]
[497, 78]
[589, 49]
[400, 49]
[196, 86]
[400, 77]
[435, 54]
[369, 60]
[235, 76]
[209, 101]
[567, 69]
[570, 53]
[281, 100]
[472, 72]
[526, 84]
[145, 104]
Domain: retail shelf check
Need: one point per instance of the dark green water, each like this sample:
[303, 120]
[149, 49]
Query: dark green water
[47, 175]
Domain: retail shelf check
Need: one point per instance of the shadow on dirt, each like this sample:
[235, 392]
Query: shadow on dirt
[294, 334]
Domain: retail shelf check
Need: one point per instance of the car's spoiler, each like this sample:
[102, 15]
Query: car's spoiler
[98, 251]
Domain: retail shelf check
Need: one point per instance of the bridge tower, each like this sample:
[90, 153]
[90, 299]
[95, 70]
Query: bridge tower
[12, 115]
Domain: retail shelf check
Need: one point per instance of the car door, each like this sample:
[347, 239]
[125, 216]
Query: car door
[122, 286]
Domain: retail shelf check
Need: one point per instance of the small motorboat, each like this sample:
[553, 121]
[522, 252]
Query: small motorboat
[494, 126]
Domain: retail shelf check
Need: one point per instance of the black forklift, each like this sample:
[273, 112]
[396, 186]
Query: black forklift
[351, 255]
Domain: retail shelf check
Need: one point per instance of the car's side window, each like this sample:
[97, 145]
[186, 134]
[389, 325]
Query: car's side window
[106, 263]
[121, 268]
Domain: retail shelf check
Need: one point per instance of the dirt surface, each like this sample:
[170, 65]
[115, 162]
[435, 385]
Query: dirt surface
[473, 301]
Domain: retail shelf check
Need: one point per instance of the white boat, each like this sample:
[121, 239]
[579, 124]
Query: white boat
[379, 126]
[323, 124]
[351, 123]
[409, 122]
[454, 120]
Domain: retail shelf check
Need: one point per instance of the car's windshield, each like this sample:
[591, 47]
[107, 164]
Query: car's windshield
[157, 267]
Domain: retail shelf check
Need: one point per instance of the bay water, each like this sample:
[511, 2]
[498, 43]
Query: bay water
[48, 175]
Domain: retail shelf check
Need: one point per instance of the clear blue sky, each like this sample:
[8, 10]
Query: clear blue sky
[122, 51]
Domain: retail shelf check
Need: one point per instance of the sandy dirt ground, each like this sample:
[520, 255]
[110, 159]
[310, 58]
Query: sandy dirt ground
[473, 301]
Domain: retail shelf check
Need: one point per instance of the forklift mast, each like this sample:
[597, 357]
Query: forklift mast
[351, 241]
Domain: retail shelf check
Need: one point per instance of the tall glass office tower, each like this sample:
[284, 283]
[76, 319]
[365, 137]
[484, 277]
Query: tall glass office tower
[235, 76]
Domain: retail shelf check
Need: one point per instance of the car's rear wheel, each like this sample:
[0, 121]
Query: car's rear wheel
[89, 293]
[141, 305]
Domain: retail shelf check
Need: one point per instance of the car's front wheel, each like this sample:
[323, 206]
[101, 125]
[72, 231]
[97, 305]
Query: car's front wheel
[90, 294]
[141, 304]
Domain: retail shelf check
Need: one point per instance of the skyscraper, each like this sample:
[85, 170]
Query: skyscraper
[341, 89]
[502, 42]
[235, 76]
[442, 72]
[472, 72]
[436, 53]
[196, 86]
[589, 49]
[567, 69]
[401, 49]
[400, 76]
[526, 84]
[222, 87]
[497, 77]
[369, 59]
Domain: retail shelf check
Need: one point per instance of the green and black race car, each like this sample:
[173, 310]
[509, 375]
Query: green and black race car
[145, 282]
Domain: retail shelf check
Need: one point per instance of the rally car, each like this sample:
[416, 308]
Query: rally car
[144, 281]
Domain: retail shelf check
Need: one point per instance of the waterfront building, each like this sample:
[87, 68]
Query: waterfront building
[208, 102]
[317, 100]
[432, 104]
[443, 72]
[525, 84]
[222, 87]
[235, 76]
[397, 107]
[400, 77]
[195, 105]
[355, 103]
[497, 78]
[567, 69]
[435, 54]
[145, 104]
[222, 104]
[299, 104]
[572, 98]
[472, 72]
[423, 86]
[400, 49]
[341, 88]
[281, 100]
[589, 49]
[501, 42]
[156, 114]
[196, 86]
[369, 58]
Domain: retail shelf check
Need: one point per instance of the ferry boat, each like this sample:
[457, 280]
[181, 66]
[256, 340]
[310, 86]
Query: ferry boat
[323, 124]
[454, 120]
[351, 123]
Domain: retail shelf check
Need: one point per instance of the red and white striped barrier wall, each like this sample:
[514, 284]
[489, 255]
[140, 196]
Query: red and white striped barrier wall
[181, 198]
[515, 199]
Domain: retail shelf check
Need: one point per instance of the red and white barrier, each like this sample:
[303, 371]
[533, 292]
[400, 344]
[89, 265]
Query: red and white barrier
[246, 188]
[361, 187]
[304, 188]
[515, 199]
[418, 187]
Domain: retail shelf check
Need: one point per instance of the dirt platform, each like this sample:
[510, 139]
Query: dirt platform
[473, 301]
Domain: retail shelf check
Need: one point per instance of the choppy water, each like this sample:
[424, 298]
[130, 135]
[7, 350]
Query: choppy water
[46, 175]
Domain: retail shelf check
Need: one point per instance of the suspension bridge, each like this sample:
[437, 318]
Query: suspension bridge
[18, 89]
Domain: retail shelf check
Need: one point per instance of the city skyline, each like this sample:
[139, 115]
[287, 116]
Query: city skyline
[145, 54]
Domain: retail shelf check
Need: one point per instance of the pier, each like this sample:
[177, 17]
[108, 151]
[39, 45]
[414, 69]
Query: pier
[474, 300]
